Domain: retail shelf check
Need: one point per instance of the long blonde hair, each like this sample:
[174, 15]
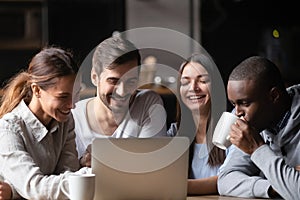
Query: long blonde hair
[50, 63]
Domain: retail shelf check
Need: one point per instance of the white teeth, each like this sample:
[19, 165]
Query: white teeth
[195, 97]
[120, 99]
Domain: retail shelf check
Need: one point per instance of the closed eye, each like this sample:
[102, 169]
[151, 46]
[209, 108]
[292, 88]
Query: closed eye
[131, 82]
[112, 81]
[243, 103]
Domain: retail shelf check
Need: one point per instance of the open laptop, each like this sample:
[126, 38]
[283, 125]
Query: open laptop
[140, 168]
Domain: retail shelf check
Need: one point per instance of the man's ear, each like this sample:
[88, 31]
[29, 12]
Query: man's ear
[94, 77]
[35, 90]
[274, 94]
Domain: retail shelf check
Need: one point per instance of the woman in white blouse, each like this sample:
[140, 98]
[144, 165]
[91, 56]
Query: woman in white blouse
[37, 140]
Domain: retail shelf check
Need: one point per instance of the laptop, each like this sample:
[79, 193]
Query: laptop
[140, 168]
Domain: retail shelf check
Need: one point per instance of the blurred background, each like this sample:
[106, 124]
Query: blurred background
[229, 30]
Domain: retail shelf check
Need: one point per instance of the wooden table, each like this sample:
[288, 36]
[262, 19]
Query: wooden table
[212, 197]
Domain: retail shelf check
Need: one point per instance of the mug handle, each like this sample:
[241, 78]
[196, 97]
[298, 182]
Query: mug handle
[63, 188]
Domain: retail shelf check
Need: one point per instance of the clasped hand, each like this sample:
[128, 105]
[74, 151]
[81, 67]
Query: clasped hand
[85, 159]
[245, 137]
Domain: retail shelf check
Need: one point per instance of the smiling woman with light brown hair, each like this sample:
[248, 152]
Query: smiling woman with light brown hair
[196, 117]
[37, 140]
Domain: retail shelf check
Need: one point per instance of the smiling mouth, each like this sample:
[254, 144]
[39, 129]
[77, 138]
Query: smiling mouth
[118, 98]
[65, 112]
[121, 99]
[196, 97]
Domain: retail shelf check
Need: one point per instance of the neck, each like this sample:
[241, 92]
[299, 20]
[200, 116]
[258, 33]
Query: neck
[201, 123]
[101, 118]
[37, 110]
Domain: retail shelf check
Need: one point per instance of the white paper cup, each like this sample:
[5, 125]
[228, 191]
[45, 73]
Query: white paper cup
[81, 186]
[222, 130]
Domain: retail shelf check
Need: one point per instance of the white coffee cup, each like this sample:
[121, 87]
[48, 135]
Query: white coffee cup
[221, 134]
[81, 186]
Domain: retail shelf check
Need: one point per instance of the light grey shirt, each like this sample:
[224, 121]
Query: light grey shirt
[272, 164]
[34, 159]
[146, 118]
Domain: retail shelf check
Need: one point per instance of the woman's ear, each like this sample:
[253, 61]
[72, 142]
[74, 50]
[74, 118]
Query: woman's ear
[35, 90]
[94, 77]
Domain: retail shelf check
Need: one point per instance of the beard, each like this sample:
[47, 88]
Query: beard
[118, 107]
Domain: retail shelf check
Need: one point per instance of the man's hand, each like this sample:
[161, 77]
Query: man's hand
[245, 137]
[85, 160]
[5, 191]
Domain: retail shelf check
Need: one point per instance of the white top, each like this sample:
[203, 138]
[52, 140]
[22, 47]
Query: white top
[31, 154]
[200, 167]
[146, 118]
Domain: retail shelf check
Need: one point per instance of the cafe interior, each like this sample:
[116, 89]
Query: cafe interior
[229, 30]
